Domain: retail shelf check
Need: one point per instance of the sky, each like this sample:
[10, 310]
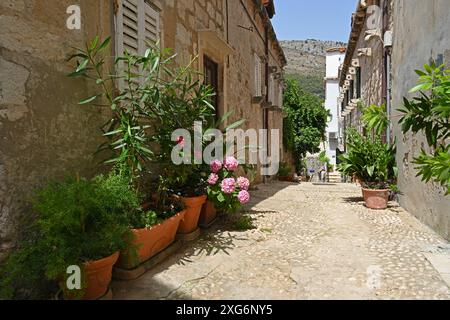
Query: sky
[313, 19]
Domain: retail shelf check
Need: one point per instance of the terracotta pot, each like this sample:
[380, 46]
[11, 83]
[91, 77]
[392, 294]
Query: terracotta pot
[98, 277]
[286, 179]
[376, 199]
[149, 242]
[208, 214]
[193, 208]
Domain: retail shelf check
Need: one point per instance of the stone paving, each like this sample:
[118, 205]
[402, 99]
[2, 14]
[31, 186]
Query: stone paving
[310, 242]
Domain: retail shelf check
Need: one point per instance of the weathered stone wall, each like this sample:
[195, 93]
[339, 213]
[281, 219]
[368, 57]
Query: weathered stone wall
[371, 75]
[44, 133]
[421, 33]
[181, 23]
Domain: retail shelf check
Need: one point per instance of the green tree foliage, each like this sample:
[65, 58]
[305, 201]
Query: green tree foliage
[429, 113]
[306, 121]
[310, 83]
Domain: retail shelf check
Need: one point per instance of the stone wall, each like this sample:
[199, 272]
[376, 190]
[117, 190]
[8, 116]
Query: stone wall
[421, 33]
[44, 133]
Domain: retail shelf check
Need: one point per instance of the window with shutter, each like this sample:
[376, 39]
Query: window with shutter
[137, 25]
[271, 90]
[280, 94]
[257, 90]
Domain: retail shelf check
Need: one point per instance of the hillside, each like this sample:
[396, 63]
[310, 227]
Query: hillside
[306, 62]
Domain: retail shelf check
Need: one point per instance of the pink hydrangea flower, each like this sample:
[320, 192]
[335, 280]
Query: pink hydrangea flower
[180, 141]
[216, 165]
[213, 178]
[231, 164]
[243, 183]
[228, 185]
[244, 197]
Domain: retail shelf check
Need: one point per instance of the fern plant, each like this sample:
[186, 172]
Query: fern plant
[79, 220]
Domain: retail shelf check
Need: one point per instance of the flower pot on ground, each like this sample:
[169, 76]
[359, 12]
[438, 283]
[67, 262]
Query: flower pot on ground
[192, 213]
[285, 172]
[208, 214]
[373, 163]
[147, 242]
[98, 276]
[376, 199]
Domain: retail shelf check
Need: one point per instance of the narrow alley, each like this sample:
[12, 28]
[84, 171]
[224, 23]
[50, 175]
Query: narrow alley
[309, 242]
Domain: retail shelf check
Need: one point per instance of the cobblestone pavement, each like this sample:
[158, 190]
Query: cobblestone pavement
[310, 242]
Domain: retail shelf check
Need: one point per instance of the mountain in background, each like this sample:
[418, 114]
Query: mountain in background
[307, 62]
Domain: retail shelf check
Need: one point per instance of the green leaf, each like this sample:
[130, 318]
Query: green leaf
[89, 100]
[104, 44]
[221, 198]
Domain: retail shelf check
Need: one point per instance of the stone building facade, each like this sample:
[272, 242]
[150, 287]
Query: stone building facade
[45, 135]
[379, 67]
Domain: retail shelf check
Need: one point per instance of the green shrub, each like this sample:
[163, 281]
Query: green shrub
[78, 220]
[285, 170]
[370, 160]
[429, 113]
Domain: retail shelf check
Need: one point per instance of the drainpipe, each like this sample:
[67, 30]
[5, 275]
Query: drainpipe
[388, 96]
[266, 111]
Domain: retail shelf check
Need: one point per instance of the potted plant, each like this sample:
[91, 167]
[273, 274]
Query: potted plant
[154, 228]
[227, 192]
[80, 224]
[285, 172]
[373, 163]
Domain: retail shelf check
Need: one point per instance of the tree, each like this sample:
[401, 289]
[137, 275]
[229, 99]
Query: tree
[306, 121]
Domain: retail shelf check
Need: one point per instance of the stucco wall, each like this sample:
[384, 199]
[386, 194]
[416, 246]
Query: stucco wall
[421, 32]
[44, 133]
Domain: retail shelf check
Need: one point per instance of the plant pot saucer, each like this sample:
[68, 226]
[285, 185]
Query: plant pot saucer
[127, 275]
[189, 236]
[108, 296]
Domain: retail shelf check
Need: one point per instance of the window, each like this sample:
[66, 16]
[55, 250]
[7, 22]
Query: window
[137, 25]
[351, 91]
[358, 82]
[280, 94]
[257, 90]
[272, 93]
[211, 72]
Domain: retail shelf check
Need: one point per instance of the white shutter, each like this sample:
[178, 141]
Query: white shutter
[137, 25]
[280, 94]
[257, 76]
[151, 25]
[271, 89]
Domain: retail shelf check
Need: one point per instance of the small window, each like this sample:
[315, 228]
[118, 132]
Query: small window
[211, 72]
[358, 82]
[257, 90]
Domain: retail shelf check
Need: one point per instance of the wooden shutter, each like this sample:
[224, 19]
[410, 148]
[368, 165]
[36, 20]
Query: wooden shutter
[280, 94]
[137, 26]
[257, 76]
[271, 90]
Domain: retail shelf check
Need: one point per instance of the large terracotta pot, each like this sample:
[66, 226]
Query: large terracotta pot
[98, 277]
[376, 199]
[149, 242]
[193, 209]
[208, 214]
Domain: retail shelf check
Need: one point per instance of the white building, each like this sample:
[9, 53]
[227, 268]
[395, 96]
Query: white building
[334, 59]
